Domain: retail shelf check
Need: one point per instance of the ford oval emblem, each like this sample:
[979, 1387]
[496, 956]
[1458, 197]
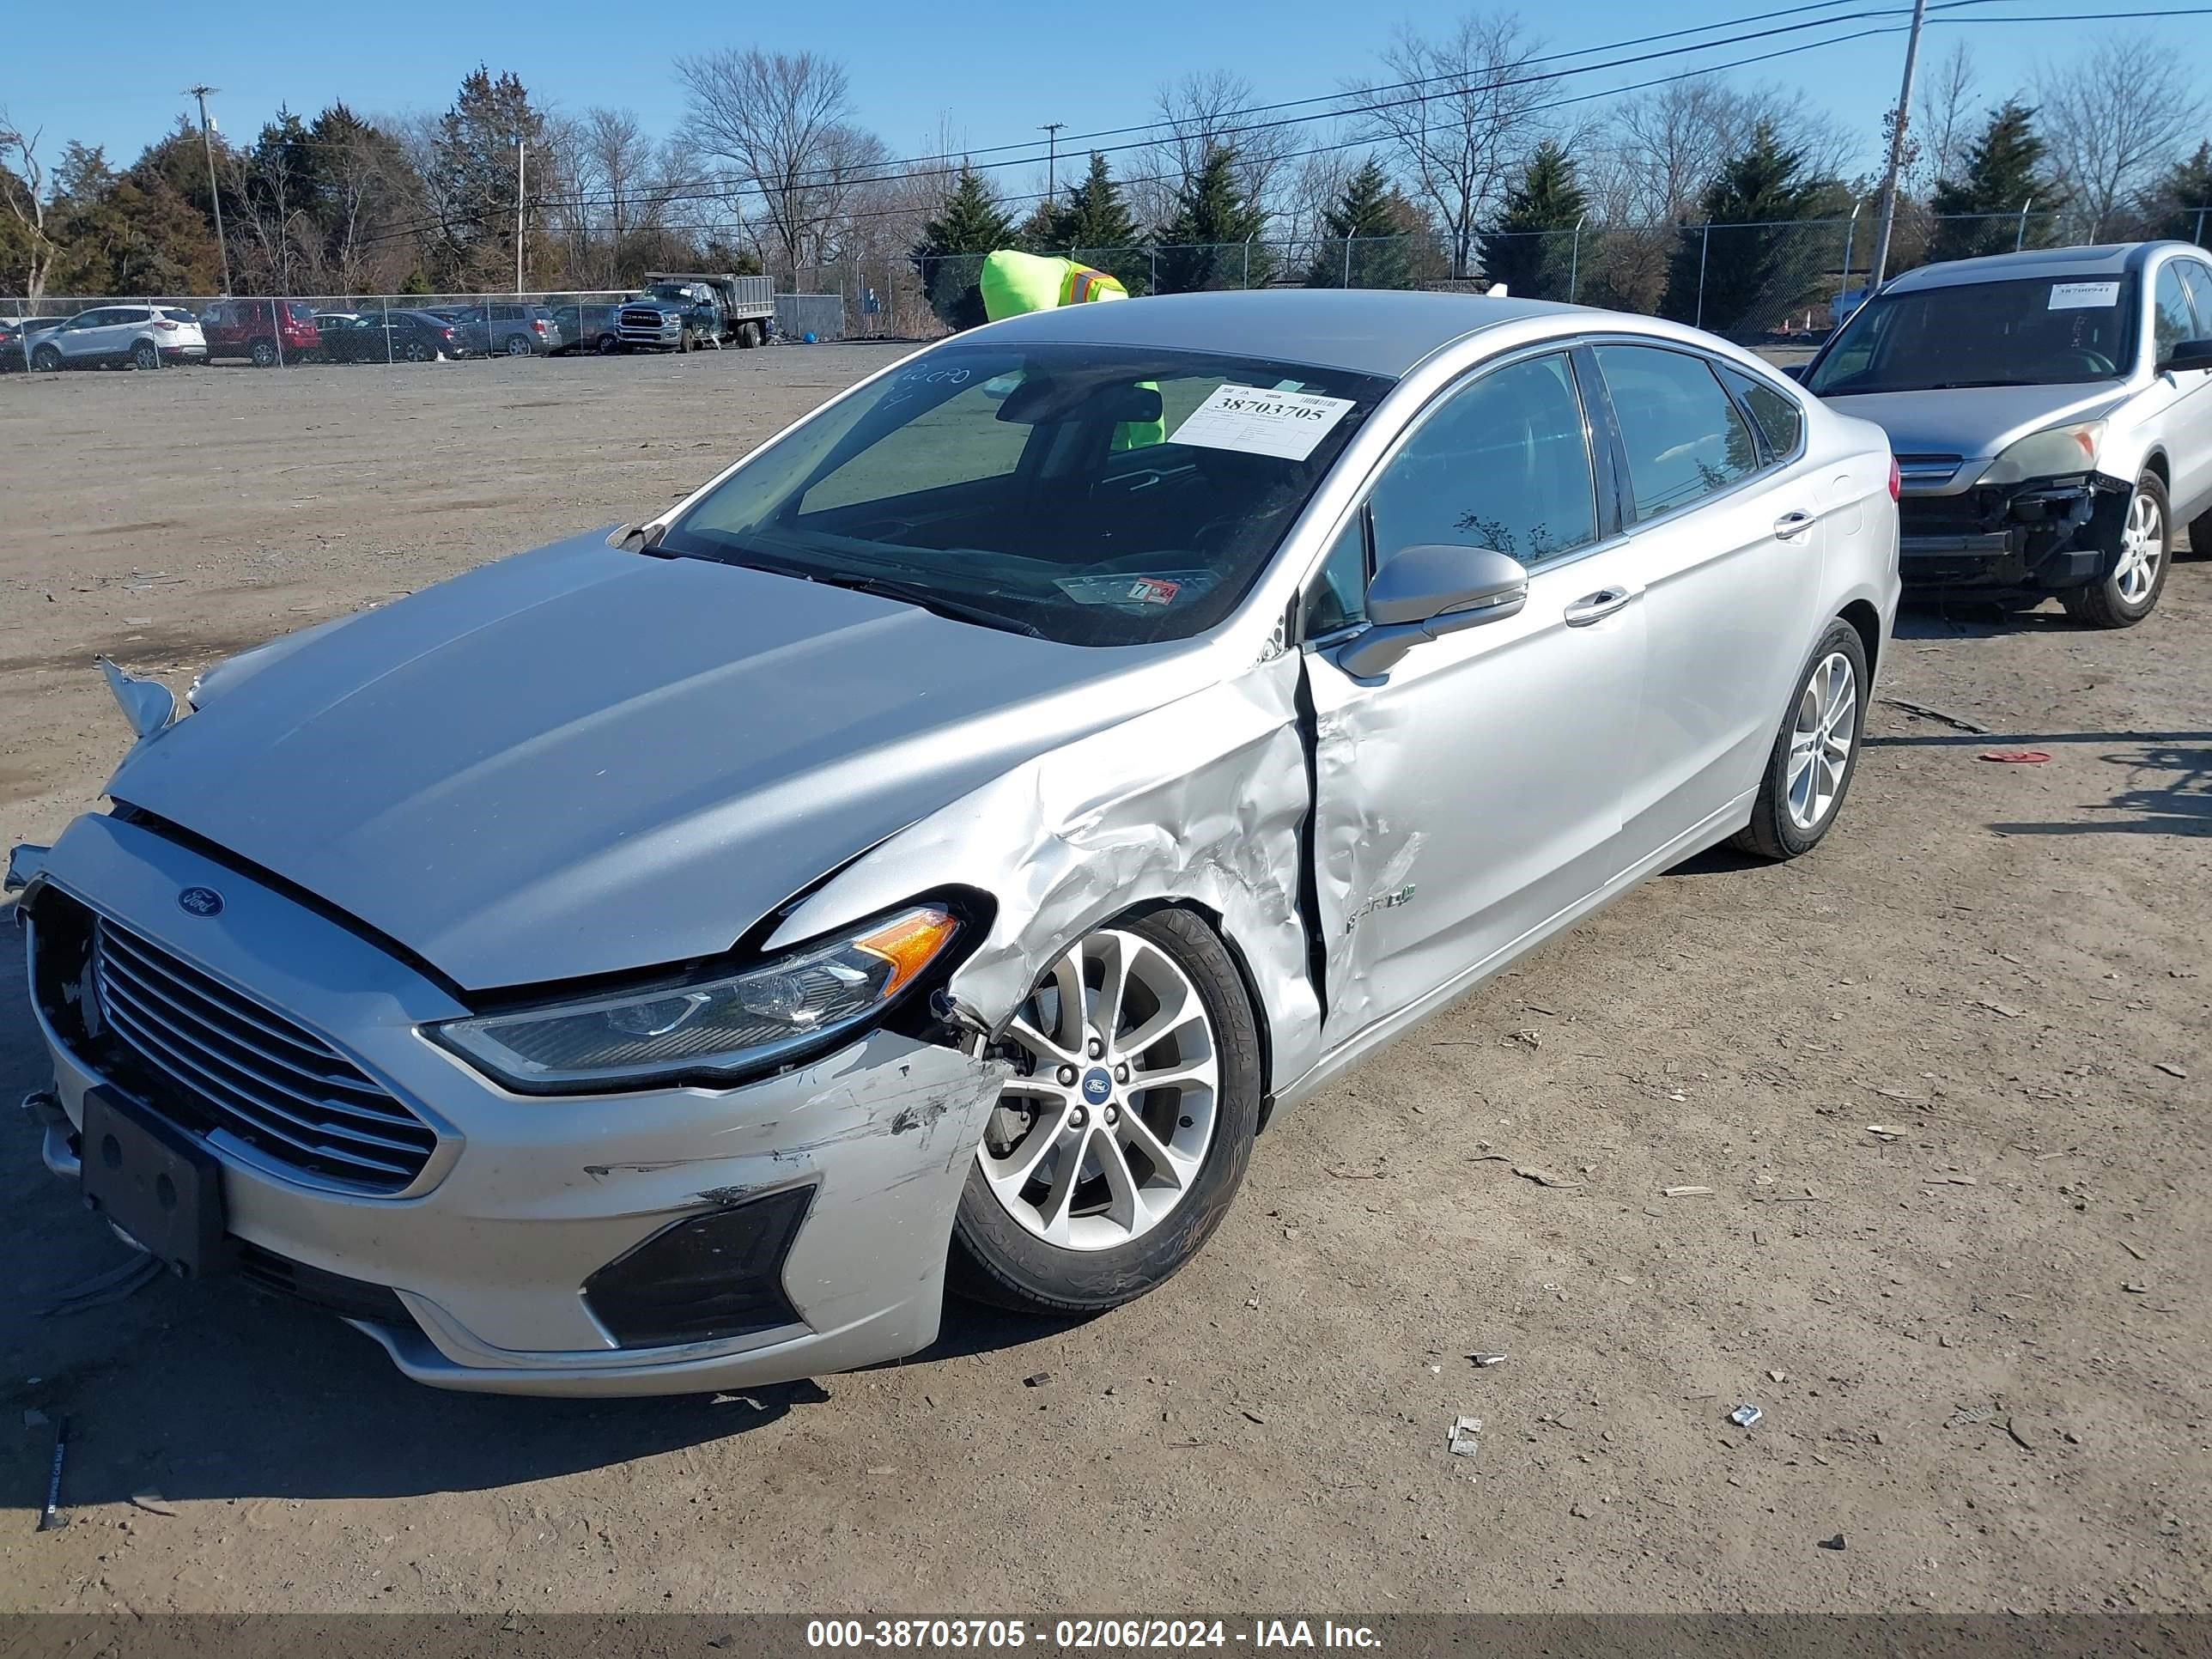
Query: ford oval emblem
[200, 902]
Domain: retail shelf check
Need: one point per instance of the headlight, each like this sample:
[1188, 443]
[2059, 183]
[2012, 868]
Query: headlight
[2058, 452]
[711, 1028]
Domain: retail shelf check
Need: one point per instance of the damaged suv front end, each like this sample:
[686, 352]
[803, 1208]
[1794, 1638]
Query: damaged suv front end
[2035, 520]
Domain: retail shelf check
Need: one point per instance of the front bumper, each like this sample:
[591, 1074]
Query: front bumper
[2038, 536]
[490, 1252]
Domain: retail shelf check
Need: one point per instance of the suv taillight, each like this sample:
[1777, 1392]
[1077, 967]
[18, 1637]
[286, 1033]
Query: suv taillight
[538, 322]
[165, 325]
[1896, 480]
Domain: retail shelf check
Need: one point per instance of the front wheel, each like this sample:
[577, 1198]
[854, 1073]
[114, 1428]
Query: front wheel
[609, 344]
[1115, 1150]
[1809, 771]
[2129, 592]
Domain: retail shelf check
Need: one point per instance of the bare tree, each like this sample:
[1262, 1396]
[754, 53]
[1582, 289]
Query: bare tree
[781, 123]
[1946, 115]
[614, 164]
[1662, 147]
[1209, 110]
[23, 182]
[1457, 135]
[1313, 189]
[2114, 116]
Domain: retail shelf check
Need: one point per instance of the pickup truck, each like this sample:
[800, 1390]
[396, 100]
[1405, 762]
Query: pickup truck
[684, 311]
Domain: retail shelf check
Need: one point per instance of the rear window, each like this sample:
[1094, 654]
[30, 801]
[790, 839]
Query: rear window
[300, 311]
[178, 314]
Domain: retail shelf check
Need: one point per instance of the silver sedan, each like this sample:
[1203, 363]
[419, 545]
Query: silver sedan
[927, 855]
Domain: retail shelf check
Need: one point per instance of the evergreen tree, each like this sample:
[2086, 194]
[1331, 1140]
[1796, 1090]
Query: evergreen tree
[2172, 204]
[949, 255]
[1531, 248]
[1213, 240]
[1093, 225]
[1755, 265]
[1364, 243]
[1979, 214]
[472, 179]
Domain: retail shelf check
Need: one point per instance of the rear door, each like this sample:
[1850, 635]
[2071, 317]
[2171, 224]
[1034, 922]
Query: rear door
[2189, 454]
[1726, 530]
[1471, 792]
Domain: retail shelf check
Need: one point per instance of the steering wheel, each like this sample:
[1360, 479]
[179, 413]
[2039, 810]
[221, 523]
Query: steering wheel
[2094, 365]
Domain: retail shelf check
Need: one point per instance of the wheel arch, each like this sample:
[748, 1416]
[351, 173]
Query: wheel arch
[1217, 925]
[1866, 622]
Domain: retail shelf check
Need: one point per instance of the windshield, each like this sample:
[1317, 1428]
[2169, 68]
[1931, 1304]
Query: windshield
[1091, 494]
[2040, 330]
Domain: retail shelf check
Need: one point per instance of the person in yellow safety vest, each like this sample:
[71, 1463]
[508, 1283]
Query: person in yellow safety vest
[1015, 284]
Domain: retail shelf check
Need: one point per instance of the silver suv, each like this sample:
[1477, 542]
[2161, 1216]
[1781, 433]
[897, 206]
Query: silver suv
[2051, 416]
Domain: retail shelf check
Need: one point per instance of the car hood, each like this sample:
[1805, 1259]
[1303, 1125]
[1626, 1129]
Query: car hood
[580, 761]
[1976, 421]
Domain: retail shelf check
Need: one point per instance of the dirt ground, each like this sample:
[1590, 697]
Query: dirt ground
[1980, 1337]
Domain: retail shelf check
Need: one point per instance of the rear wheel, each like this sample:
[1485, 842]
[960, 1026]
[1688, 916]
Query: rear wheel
[46, 359]
[418, 352]
[146, 354]
[2129, 592]
[1809, 771]
[263, 353]
[1114, 1150]
[516, 346]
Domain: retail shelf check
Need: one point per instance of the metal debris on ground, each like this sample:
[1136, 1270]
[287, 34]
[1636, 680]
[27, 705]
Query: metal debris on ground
[51, 1517]
[2138, 1255]
[1486, 1360]
[1461, 1441]
[2170, 1069]
[1745, 1416]
[1835, 1543]
[1884, 1131]
[1956, 722]
[152, 1502]
[1036, 1379]
[114, 1285]
[1543, 1177]
[2017, 756]
[1685, 1192]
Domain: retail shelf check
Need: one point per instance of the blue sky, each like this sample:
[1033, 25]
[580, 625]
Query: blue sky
[995, 67]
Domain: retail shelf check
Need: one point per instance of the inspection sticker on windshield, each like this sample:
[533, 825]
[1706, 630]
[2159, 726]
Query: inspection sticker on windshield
[1135, 592]
[1286, 424]
[2083, 296]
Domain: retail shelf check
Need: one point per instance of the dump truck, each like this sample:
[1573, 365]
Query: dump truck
[687, 310]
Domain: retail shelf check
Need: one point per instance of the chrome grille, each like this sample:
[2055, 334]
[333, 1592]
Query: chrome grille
[646, 319]
[1928, 469]
[247, 1071]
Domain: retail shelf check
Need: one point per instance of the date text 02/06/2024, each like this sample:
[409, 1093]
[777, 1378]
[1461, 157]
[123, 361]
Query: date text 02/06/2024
[1087, 1634]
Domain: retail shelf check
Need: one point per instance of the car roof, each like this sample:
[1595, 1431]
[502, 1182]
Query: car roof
[2108, 259]
[1369, 331]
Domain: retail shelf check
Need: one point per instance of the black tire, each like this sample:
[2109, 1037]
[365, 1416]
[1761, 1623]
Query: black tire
[608, 345]
[418, 352]
[995, 1260]
[1773, 831]
[263, 354]
[146, 354]
[48, 359]
[2200, 536]
[2106, 602]
[746, 339]
[516, 346]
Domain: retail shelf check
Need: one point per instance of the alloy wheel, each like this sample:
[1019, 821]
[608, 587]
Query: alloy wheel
[1100, 1136]
[1821, 740]
[2142, 545]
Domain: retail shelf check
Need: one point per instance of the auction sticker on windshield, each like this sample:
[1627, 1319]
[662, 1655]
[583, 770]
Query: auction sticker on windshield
[2083, 296]
[1285, 424]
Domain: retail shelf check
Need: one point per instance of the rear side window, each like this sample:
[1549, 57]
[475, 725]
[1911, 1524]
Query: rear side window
[2198, 279]
[1777, 414]
[1504, 464]
[1684, 438]
[2170, 319]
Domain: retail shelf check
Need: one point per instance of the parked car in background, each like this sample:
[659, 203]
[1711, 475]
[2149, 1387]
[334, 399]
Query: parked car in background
[396, 337]
[505, 328]
[120, 337]
[2051, 413]
[588, 328]
[657, 962]
[16, 334]
[265, 332]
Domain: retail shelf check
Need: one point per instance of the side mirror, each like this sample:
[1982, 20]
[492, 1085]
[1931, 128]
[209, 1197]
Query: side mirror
[1424, 593]
[2187, 355]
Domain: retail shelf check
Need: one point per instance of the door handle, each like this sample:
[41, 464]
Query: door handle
[1792, 524]
[1596, 607]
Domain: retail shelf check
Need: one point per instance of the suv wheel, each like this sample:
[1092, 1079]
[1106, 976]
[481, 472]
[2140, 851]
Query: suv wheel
[516, 346]
[2129, 592]
[263, 353]
[609, 344]
[1815, 753]
[146, 354]
[47, 358]
[1113, 1154]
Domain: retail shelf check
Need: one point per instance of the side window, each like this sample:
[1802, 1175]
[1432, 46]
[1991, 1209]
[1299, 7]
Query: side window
[1337, 597]
[1504, 464]
[1777, 414]
[2198, 279]
[1684, 438]
[2170, 321]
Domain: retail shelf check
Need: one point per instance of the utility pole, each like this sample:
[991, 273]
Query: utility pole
[1051, 130]
[520, 198]
[1880, 268]
[215, 190]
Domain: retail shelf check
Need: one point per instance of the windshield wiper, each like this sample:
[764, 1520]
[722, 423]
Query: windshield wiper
[1962, 385]
[929, 599]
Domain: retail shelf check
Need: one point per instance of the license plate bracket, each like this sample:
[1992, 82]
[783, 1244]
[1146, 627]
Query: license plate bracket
[156, 1183]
